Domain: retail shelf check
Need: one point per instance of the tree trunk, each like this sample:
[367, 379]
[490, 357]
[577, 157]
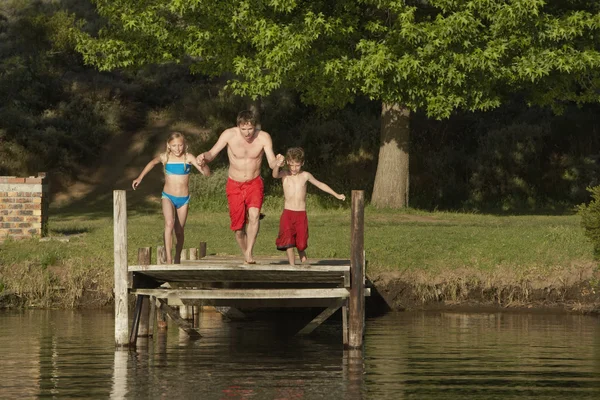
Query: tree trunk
[391, 180]
[255, 106]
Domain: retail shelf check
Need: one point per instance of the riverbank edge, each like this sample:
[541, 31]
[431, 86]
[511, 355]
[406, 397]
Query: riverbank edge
[575, 288]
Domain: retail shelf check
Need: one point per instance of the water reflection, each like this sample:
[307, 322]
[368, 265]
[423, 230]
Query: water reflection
[406, 356]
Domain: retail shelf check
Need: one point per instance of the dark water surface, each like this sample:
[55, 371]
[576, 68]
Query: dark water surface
[425, 355]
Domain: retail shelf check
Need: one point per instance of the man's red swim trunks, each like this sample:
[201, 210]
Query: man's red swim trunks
[293, 230]
[240, 197]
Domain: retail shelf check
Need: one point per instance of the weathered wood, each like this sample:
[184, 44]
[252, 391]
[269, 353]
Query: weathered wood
[193, 254]
[152, 316]
[345, 325]
[161, 255]
[357, 264]
[202, 250]
[213, 271]
[232, 313]
[183, 255]
[120, 268]
[183, 324]
[322, 317]
[133, 334]
[144, 258]
[238, 294]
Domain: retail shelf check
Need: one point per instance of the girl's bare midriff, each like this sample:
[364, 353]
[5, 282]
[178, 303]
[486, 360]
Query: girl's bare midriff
[177, 185]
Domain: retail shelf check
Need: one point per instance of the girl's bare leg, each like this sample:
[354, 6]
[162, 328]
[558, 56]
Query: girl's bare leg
[180, 218]
[290, 255]
[169, 214]
[302, 255]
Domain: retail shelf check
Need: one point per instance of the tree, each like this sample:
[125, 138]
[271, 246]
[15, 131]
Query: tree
[431, 55]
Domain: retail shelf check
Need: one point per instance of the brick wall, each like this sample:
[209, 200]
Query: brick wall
[23, 206]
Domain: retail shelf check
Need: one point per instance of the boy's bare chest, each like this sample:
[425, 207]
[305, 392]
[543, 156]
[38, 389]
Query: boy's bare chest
[294, 183]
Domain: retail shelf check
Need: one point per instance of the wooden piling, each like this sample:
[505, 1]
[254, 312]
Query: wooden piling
[120, 268]
[161, 320]
[144, 258]
[202, 250]
[357, 264]
[161, 255]
[193, 253]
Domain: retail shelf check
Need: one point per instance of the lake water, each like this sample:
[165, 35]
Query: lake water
[409, 355]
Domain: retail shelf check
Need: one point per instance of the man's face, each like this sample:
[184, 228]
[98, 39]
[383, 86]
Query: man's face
[295, 167]
[247, 131]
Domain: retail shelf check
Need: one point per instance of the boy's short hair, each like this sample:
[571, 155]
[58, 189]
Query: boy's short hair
[246, 116]
[295, 154]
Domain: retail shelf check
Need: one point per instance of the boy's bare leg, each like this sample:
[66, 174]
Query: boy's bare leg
[169, 214]
[302, 255]
[290, 255]
[251, 233]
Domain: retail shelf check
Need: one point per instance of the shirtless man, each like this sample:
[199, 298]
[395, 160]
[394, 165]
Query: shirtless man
[245, 189]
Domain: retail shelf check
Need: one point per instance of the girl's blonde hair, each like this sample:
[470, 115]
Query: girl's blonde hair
[174, 135]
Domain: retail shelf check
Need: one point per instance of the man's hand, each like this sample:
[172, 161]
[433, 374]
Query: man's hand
[201, 159]
[280, 160]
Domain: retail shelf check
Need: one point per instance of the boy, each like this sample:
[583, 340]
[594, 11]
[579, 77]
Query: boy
[293, 225]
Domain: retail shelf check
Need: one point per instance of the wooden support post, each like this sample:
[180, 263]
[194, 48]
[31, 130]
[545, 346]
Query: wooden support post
[202, 250]
[144, 258]
[120, 268]
[357, 263]
[152, 316]
[161, 255]
[183, 324]
[322, 317]
[345, 324]
[184, 255]
[193, 253]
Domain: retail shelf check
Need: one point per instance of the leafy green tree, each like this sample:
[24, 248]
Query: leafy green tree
[432, 55]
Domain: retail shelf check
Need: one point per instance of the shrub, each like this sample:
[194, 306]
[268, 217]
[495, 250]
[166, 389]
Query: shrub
[590, 219]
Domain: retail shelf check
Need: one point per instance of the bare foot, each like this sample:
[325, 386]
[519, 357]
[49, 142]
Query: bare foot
[246, 262]
[302, 256]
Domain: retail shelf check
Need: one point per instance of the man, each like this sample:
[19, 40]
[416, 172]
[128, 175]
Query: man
[245, 189]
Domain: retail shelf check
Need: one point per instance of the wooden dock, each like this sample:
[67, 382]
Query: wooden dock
[331, 284]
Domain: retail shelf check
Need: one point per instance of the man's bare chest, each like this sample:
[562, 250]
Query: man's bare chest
[245, 150]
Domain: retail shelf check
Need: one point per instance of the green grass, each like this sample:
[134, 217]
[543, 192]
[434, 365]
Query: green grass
[395, 241]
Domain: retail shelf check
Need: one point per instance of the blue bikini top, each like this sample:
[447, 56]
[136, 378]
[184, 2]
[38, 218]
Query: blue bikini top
[179, 168]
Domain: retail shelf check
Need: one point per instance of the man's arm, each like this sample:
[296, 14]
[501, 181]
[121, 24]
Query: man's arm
[210, 155]
[324, 187]
[280, 159]
[202, 167]
[268, 148]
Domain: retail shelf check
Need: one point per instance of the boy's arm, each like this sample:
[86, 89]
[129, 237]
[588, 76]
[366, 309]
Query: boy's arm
[324, 187]
[203, 168]
[210, 155]
[280, 160]
[146, 169]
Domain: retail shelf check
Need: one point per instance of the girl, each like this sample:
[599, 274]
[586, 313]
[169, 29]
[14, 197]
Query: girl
[176, 194]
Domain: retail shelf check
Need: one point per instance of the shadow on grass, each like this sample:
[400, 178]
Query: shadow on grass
[102, 207]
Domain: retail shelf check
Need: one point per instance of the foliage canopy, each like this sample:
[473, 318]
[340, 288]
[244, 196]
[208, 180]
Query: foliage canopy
[436, 55]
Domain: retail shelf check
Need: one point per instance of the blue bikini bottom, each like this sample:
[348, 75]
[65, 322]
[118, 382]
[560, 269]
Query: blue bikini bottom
[178, 202]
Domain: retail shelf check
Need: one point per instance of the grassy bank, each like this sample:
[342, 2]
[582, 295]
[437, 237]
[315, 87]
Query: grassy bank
[415, 258]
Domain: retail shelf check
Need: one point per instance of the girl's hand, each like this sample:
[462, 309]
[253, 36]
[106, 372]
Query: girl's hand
[136, 183]
[341, 197]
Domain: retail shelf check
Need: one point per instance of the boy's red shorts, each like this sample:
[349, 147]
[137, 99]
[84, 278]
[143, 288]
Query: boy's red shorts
[293, 230]
[241, 196]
